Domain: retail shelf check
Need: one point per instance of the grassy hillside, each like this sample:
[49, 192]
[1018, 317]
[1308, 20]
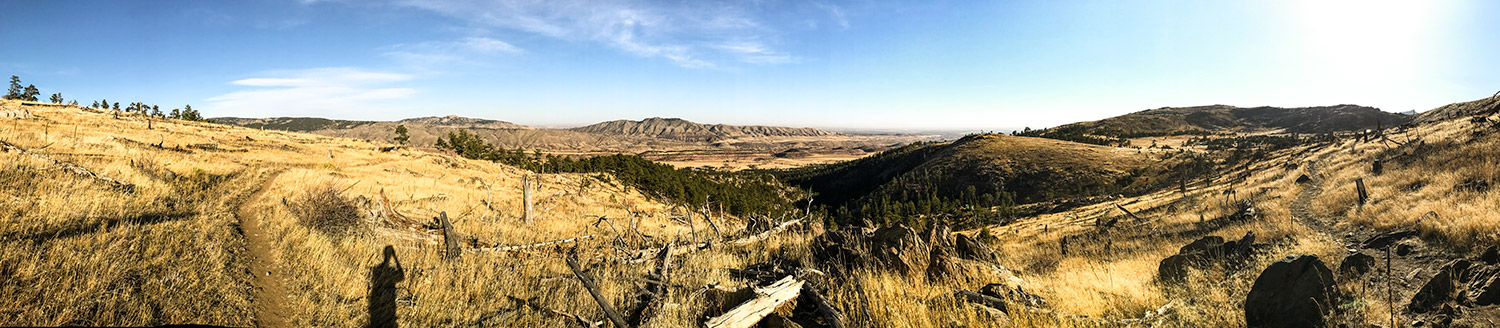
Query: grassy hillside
[1200, 120]
[977, 171]
[173, 222]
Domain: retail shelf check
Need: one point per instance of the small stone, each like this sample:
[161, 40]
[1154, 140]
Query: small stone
[1356, 265]
[1491, 255]
[1403, 249]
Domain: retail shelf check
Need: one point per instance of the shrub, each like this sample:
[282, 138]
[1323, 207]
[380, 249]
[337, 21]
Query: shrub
[325, 208]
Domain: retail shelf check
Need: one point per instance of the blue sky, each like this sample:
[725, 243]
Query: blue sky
[987, 65]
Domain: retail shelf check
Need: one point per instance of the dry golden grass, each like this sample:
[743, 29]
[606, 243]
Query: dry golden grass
[77, 252]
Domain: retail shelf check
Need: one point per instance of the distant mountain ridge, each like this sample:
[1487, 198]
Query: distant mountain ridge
[1224, 118]
[680, 129]
[310, 124]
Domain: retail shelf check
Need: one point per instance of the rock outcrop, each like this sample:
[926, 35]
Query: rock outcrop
[1297, 291]
[1206, 250]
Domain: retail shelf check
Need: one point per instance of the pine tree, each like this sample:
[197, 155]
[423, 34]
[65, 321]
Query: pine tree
[95, 105]
[57, 98]
[117, 106]
[176, 113]
[155, 111]
[15, 88]
[30, 93]
[401, 136]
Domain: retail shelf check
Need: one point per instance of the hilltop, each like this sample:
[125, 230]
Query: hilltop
[680, 129]
[982, 170]
[1167, 121]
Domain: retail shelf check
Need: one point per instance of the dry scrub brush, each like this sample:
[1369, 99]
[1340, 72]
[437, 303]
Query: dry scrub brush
[325, 208]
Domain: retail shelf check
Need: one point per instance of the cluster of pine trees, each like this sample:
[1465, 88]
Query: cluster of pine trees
[30, 93]
[1078, 136]
[888, 187]
[740, 193]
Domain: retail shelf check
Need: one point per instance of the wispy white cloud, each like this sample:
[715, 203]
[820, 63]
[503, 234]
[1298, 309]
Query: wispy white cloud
[426, 55]
[324, 92]
[694, 34]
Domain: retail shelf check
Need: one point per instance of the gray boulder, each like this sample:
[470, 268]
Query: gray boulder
[1294, 292]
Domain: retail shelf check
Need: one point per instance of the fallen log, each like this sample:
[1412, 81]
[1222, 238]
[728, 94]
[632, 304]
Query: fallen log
[588, 283]
[766, 301]
[763, 235]
[830, 314]
[533, 245]
[79, 170]
[1127, 212]
[982, 299]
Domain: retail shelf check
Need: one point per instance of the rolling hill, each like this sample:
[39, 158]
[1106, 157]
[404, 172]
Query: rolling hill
[981, 170]
[1222, 118]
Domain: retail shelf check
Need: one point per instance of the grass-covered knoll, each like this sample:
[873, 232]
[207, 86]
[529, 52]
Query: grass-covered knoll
[991, 171]
[1204, 120]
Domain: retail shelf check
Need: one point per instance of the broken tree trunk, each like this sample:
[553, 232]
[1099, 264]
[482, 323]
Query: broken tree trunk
[451, 249]
[830, 314]
[618, 238]
[588, 283]
[656, 289]
[1359, 186]
[711, 224]
[766, 301]
[526, 198]
[79, 170]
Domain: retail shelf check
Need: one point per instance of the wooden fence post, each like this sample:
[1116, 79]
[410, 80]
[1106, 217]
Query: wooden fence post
[1376, 168]
[526, 197]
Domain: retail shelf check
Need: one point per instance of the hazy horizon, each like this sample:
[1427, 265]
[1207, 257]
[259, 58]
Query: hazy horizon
[949, 66]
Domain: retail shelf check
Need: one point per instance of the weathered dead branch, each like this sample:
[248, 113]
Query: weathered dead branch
[79, 170]
[766, 301]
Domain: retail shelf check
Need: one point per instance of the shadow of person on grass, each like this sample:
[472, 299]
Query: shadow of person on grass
[383, 279]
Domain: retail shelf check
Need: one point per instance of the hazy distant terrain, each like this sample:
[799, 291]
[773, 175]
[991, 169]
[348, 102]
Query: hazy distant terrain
[672, 140]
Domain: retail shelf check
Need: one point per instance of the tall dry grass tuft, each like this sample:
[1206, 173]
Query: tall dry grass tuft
[325, 208]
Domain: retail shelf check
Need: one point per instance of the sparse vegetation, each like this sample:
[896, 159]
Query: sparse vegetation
[326, 209]
[154, 255]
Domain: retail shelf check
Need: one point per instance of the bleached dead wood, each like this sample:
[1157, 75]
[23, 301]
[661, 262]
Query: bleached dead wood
[774, 230]
[79, 170]
[526, 198]
[533, 245]
[766, 301]
[588, 283]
